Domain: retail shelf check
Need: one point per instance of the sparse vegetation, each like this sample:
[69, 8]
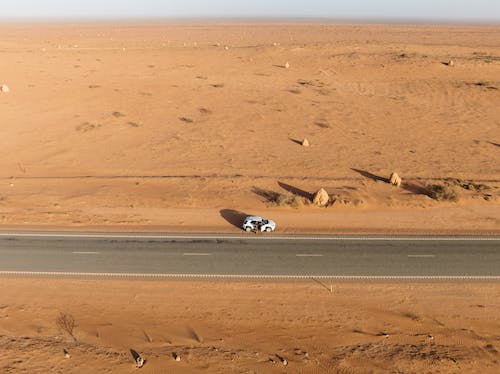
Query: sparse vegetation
[204, 110]
[442, 192]
[67, 323]
[304, 82]
[486, 85]
[118, 114]
[87, 126]
[289, 199]
[322, 124]
[469, 185]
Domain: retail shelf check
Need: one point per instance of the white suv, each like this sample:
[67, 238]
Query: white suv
[255, 223]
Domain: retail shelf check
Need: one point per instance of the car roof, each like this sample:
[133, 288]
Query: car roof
[254, 218]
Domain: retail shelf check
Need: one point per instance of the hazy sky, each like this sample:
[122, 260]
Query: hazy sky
[451, 10]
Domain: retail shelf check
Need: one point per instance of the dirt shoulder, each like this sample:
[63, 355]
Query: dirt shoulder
[455, 220]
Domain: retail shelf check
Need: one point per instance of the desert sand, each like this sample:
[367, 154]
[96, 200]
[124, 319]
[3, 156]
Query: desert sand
[189, 127]
[245, 327]
[165, 126]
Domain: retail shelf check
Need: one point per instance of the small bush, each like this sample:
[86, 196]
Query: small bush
[283, 199]
[289, 199]
[297, 201]
[66, 322]
[441, 192]
[476, 187]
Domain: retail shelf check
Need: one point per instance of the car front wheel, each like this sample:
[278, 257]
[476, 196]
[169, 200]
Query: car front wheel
[268, 229]
[248, 229]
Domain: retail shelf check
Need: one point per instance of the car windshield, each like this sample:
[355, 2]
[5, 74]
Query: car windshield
[265, 221]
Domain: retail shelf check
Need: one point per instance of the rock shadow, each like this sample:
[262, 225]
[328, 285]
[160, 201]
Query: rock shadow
[137, 358]
[415, 189]
[374, 177]
[134, 354]
[234, 217]
[494, 144]
[296, 141]
[410, 187]
[268, 195]
[296, 191]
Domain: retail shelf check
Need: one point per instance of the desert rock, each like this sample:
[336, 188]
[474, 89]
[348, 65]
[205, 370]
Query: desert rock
[139, 361]
[287, 65]
[305, 143]
[395, 180]
[282, 360]
[4, 88]
[321, 198]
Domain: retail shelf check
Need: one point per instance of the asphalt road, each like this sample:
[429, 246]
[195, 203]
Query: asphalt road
[250, 255]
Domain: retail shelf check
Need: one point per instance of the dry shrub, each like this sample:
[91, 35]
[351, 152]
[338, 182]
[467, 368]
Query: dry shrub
[67, 323]
[469, 185]
[289, 199]
[441, 192]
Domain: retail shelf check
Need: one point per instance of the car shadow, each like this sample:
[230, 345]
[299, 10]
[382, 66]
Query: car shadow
[234, 217]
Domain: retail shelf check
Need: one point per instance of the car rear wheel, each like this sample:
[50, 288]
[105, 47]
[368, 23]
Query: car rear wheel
[248, 229]
[268, 229]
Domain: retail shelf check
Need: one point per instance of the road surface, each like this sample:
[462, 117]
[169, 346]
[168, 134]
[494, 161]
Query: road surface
[248, 256]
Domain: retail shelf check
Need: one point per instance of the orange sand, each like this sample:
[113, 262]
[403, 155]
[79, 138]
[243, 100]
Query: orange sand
[161, 127]
[220, 327]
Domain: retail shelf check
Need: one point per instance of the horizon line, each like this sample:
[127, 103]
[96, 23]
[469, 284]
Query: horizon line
[257, 19]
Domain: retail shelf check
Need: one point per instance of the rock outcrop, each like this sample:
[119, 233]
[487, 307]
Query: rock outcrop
[321, 198]
[395, 180]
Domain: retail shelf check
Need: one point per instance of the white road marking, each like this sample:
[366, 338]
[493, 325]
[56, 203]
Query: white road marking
[308, 255]
[86, 253]
[197, 254]
[421, 256]
[249, 237]
[243, 276]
